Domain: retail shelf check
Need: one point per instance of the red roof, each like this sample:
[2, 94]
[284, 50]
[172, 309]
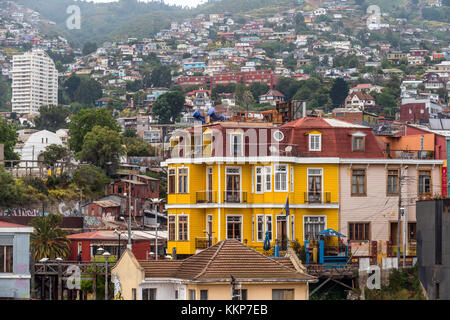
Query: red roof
[11, 225]
[336, 138]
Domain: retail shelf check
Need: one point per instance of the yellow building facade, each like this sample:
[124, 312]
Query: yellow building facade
[242, 197]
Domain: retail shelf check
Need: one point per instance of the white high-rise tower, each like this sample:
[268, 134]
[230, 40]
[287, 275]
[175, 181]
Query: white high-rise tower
[34, 82]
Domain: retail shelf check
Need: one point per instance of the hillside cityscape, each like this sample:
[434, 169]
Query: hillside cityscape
[232, 150]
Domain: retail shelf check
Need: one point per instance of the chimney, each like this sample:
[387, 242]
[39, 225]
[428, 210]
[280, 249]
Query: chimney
[304, 109]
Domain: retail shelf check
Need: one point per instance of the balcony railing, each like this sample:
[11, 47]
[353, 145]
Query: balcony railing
[410, 154]
[318, 197]
[208, 196]
[235, 196]
[204, 242]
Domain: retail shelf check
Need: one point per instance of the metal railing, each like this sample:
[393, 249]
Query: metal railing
[317, 197]
[410, 154]
[235, 196]
[208, 196]
[204, 242]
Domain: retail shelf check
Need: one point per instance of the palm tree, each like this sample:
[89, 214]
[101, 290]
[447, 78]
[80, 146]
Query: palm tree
[48, 239]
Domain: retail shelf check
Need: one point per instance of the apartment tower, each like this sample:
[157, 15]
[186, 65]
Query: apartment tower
[34, 82]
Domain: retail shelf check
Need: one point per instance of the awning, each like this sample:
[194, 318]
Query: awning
[330, 233]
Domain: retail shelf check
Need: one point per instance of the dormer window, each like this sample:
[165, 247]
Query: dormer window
[315, 142]
[358, 141]
[236, 145]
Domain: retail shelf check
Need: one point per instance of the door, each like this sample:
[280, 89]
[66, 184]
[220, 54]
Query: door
[314, 188]
[209, 186]
[233, 188]
[282, 232]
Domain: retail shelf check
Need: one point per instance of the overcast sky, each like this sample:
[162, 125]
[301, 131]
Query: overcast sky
[190, 3]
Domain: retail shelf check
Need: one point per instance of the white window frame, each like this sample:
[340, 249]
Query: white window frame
[258, 216]
[261, 183]
[240, 179]
[187, 181]
[313, 146]
[315, 216]
[271, 226]
[267, 173]
[168, 226]
[321, 181]
[284, 188]
[241, 149]
[178, 226]
[208, 216]
[288, 229]
[242, 225]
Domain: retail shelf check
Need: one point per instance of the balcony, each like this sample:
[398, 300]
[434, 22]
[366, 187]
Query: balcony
[318, 197]
[235, 196]
[410, 154]
[206, 196]
[204, 242]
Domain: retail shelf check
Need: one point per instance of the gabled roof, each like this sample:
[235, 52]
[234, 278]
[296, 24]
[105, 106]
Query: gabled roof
[223, 260]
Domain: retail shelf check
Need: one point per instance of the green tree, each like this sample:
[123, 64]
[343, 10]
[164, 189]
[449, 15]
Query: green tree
[48, 239]
[91, 180]
[8, 137]
[168, 107]
[339, 92]
[52, 154]
[259, 88]
[11, 193]
[51, 118]
[84, 121]
[5, 96]
[103, 148]
[138, 147]
[160, 77]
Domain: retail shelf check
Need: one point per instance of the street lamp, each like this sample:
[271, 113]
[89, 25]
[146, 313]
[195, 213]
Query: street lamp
[119, 234]
[106, 254]
[129, 246]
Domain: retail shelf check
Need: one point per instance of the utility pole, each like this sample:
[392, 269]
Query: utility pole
[400, 178]
[129, 245]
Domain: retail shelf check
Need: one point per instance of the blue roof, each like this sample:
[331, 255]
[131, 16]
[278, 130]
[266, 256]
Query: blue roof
[330, 233]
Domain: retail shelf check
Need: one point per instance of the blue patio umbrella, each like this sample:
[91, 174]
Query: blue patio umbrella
[330, 233]
[267, 242]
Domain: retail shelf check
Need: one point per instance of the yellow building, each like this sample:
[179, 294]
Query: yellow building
[208, 276]
[232, 180]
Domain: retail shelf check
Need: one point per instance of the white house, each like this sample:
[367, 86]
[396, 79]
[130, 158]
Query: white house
[36, 144]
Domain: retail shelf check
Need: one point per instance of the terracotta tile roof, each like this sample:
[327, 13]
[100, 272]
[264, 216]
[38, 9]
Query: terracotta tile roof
[226, 258]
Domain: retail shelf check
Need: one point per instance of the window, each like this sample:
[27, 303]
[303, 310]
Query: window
[412, 230]
[314, 185]
[149, 294]
[243, 294]
[315, 142]
[6, 259]
[268, 179]
[260, 228]
[172, 228]
[183, 180]
[259, 179]
[282, 294]
[172, 181]
[233, 184]
[234, 227]
[358, 143]
[183, 228]
[424, 182]
[209, 225]
[133, 293]
[312, 226]
[392, 182]
[236, 145]
[358, 182]
[358, 231]
[269, 226]
[278, 136]
[192, 294]
[281, 177]
[176, 294]
[203, 294]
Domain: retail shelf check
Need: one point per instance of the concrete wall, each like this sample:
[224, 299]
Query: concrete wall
[17, 284]
[433, 231]
[130, 275]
